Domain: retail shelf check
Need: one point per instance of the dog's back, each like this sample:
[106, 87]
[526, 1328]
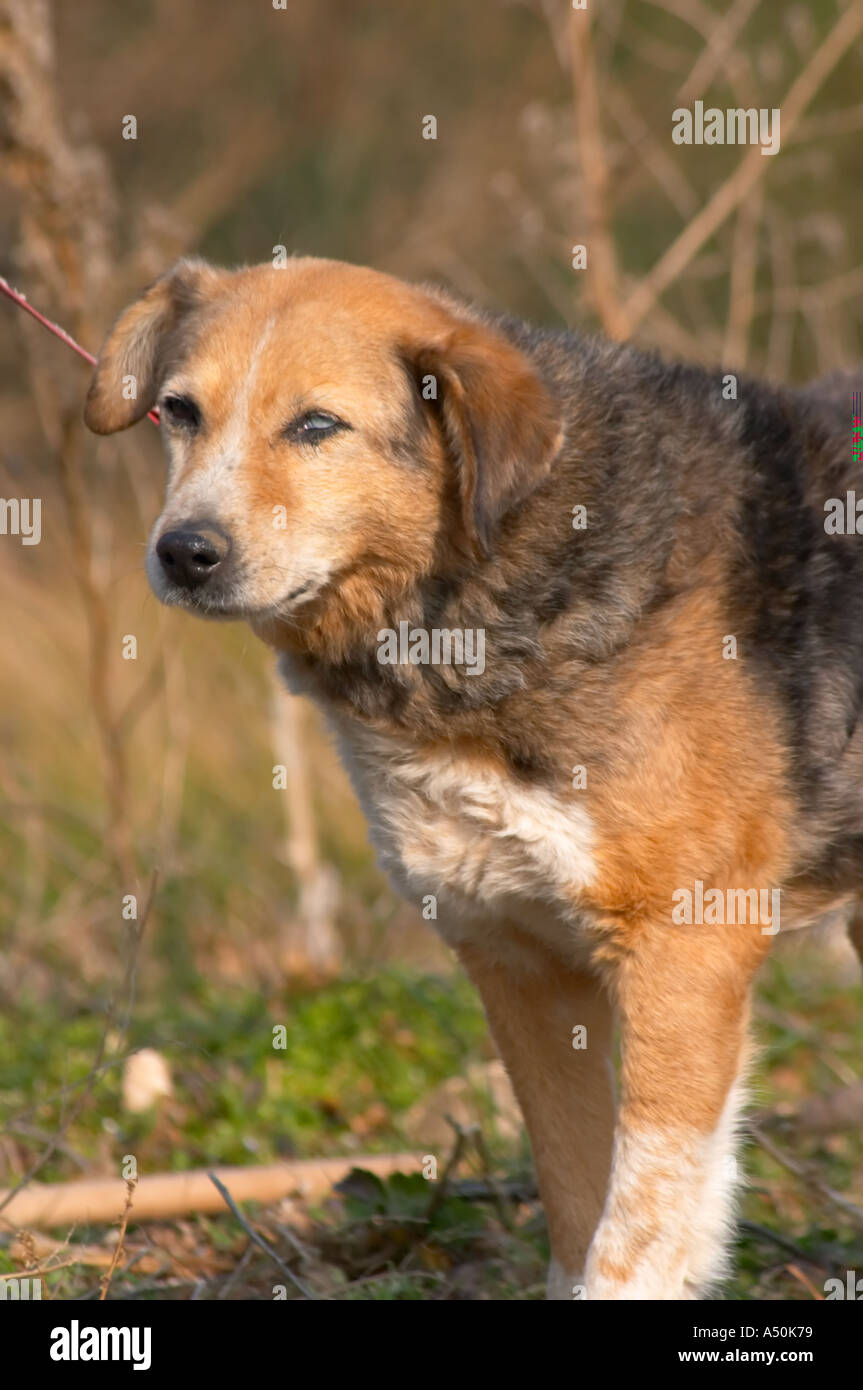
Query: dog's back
[707, 478]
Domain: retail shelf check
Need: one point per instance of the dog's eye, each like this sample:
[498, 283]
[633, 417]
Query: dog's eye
[314, 426]
[181, 410]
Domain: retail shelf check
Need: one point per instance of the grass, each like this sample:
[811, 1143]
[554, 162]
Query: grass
[358, 1054]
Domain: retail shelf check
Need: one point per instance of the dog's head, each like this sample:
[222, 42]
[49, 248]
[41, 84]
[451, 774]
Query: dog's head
[322, 423]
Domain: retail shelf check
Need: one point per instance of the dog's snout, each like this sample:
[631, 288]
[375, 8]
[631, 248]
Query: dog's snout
[191, 557]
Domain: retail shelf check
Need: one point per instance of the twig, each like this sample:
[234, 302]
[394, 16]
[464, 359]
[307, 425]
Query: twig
[494, 1186]
[259, 1240]
[782, 1242]
[799, 1170]
[105, 1281]
[651, 154]
[311, 945]
[23, 303]
[720, 44]
[807, 1283]
[98, 619]
[482, 1190]
[842, 122]
[836, 290]
[780, 337]
[602, 278]
[751, 169]
[48, 1255]
[741, 290]
[462, 1135]
[239, 1268]
[89, 1083]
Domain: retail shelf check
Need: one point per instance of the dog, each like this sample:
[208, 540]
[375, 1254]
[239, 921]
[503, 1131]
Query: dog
[664, 728]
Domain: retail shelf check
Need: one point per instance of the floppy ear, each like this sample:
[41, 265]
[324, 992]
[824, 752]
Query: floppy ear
[126, 379]
[500, 423]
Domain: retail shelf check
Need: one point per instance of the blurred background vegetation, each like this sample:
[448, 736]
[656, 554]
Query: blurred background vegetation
[302, 127]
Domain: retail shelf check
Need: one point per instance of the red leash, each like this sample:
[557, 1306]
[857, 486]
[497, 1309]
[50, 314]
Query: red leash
[21, 301]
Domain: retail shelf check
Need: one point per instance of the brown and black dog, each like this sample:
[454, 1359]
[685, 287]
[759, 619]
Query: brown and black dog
[592, 657]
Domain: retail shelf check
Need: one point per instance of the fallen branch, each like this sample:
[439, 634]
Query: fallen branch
[44, 1255]
[164, 1195]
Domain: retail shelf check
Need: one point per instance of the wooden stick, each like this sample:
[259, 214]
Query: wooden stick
[164, 1195]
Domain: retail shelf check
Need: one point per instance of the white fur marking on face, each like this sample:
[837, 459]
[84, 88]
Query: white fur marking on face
[235, 437]
[216, 488]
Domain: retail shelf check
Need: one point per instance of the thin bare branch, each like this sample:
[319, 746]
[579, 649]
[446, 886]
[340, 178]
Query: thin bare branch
[602, 275]
[749, 172]
[741, 293]
[105, 1281]
[711, 61]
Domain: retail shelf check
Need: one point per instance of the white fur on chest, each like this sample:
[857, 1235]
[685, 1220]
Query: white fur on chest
[478, 840]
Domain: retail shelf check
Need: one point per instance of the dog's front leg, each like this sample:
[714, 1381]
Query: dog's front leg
[553, 1029]
[683, 997]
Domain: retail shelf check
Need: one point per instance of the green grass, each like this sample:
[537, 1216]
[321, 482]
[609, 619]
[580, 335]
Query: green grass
[358, 1053]
[381, 1042]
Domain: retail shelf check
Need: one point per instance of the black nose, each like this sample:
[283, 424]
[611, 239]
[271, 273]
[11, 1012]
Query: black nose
[191, 558]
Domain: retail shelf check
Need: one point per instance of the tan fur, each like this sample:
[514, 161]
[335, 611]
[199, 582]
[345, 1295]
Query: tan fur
[556, 899]
[566, 1094]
